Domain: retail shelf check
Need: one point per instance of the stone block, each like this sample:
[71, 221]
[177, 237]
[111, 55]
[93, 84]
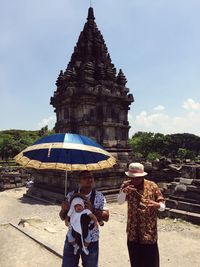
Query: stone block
[19, 184]
[189, 171]
[193, 188]
[181, 188]
[8, 186]
[196, 182]
[186, 181]
[171, 204]
[17, 179]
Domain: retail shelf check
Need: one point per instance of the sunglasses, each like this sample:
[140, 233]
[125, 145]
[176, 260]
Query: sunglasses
[87, 177]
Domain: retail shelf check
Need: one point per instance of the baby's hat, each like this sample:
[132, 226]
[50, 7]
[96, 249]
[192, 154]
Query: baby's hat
[75, 201]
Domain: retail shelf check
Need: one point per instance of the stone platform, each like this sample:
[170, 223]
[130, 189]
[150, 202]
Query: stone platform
[49, 185]
[184, 195]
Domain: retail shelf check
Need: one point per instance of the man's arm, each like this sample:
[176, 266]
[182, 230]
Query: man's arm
[94, 218]
[160, 205]
[102, 215]
[64, 210]
[101, 211]
[159, 202]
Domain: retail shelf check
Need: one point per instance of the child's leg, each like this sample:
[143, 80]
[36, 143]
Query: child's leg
[87, 242]
[70, 237]
[72, 241]
[88, 239]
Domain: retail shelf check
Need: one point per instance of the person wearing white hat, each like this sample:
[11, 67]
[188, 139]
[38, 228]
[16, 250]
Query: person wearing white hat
[75, 218]
[144, 201]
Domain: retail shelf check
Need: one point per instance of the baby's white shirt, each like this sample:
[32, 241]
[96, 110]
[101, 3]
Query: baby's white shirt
[75, 220]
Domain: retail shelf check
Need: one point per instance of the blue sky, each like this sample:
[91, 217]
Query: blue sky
[156, 43]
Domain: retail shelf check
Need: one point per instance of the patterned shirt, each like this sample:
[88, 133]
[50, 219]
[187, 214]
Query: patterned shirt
[99, 204]
[142, 221]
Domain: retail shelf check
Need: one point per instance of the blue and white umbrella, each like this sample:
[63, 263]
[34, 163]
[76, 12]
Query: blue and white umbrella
[68, 152]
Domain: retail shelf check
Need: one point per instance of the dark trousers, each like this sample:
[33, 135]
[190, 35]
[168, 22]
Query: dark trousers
[143, 255]
[71, 260]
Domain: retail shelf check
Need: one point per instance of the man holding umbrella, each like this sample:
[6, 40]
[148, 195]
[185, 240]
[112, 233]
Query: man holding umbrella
[73, 152]
[97, 204]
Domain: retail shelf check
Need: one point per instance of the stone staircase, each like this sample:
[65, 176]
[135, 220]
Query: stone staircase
[57, 197]
[183, 195]
[110, 194]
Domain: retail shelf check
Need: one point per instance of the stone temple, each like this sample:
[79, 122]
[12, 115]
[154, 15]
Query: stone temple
[92, 99]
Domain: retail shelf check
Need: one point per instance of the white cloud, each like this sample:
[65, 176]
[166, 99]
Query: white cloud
[159, 108]
[190, 104]
[47, 121]
[158, 121]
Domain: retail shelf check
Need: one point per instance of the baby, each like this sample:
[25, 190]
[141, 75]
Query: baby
[79, 219]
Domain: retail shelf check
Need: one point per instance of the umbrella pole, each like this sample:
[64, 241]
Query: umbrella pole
[65, 183]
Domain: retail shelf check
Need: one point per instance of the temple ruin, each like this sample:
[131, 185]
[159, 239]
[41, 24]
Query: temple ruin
[91, 99]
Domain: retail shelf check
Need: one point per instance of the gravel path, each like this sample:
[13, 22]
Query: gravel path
[179, 241]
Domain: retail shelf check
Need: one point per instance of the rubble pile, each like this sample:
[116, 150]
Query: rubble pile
[13, 177]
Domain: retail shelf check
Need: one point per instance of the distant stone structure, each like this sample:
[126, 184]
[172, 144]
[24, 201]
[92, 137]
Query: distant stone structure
[183, 194]
[13, 177]
[92, 99]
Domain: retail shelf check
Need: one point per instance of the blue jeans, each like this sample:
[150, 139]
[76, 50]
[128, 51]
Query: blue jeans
[71, 260]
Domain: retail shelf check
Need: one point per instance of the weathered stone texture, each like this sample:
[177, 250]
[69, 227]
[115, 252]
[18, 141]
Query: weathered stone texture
[91, 99]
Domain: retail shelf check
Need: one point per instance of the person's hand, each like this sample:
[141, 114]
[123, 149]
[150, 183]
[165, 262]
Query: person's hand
[153, 205]
[129, 189]
[96, 225]
[98, 214]
[88, 205]
[67, 222]
[64, 209]
[65, 206]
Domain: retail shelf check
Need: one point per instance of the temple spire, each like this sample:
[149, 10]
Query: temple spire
[91, 14]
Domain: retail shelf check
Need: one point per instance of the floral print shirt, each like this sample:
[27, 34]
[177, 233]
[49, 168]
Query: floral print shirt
[142, 221]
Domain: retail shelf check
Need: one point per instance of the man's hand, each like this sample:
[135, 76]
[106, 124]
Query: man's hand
[153, 204]
[88, 205]
[129, 189]
[102, 215]
[67, 221]
[64, 208]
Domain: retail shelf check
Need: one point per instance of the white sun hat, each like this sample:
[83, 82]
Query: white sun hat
[136, 170]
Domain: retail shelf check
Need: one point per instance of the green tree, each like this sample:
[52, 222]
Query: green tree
[182, 152]
[153, 156]
[14, 141]
[146, 143]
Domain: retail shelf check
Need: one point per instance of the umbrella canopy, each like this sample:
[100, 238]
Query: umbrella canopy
[69, 152]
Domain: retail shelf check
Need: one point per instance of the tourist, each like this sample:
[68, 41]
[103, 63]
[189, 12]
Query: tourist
[97, 204]
[144, 201]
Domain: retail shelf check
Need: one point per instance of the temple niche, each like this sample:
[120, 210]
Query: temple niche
[91, 98]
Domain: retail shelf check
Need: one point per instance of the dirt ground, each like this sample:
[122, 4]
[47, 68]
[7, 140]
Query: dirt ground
[179, 241]
[18, 250]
